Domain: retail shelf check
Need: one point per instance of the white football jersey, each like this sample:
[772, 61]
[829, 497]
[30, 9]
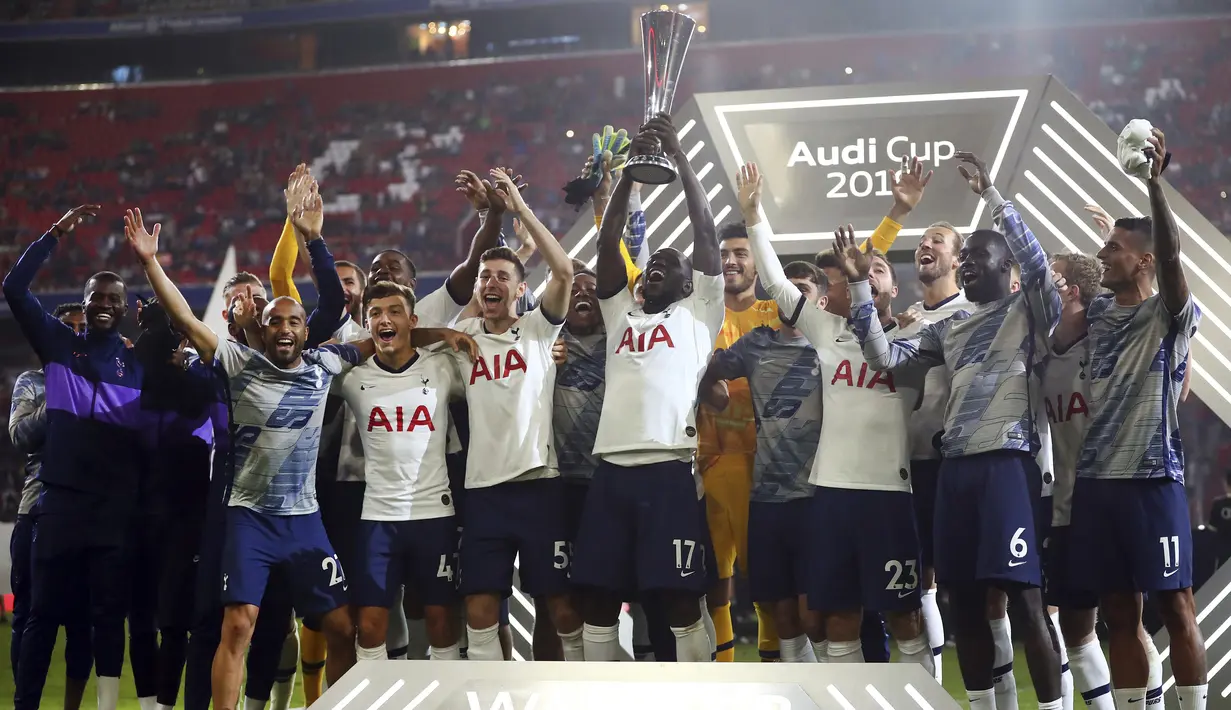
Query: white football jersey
[1066, 393]
[654, 364]
[928, 421]
[437, 309]
[864, 442]
[509, 393]
[403, 419]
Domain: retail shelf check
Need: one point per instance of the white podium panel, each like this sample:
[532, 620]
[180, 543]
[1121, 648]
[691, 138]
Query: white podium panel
[466, 685]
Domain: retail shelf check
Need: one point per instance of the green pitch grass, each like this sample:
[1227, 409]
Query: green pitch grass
[54, 693]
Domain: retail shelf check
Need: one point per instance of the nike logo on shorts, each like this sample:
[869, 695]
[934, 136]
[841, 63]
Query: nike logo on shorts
[1017, 563]
[1168, 574]
[687, 574]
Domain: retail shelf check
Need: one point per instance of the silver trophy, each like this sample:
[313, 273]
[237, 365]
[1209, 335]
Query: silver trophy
[664, 42]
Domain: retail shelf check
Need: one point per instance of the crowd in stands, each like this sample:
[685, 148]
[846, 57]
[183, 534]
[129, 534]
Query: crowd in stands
[36, 10]
[209, 160]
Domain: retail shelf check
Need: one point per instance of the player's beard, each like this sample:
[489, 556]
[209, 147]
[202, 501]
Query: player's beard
[738, 283]
[938, 269]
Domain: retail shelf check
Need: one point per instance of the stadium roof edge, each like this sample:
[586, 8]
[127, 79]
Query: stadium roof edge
[915, 36]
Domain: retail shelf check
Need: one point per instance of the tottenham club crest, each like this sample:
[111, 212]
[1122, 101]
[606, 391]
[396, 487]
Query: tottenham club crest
[516, 334]
[425, 381]
[119, 367]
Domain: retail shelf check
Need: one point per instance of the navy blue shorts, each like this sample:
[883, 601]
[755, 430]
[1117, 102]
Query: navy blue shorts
[985, 519]
[868, 555]
[421, 554]
[1058, 588]
[341, 507]
[575, 492]
[1130, 535]
[643, 530]
[924, 477]
[520, 522]
[778, 541]
[257, 544]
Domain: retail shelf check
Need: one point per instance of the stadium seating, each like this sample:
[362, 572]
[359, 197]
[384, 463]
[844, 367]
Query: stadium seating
[209, 159]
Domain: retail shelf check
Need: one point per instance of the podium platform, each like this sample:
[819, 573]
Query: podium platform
[468, 685]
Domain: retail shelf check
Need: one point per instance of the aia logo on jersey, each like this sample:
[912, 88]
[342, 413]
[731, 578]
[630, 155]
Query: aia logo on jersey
[868, 378]
[499, 368]
[638, 343]
[1062, 408]
[378, 418]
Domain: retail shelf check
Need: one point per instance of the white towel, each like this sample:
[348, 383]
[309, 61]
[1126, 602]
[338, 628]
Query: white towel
[1134, 140]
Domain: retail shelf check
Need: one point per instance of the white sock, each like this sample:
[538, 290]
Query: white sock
[148, 703]
[601, 643]
[935, 628]
[165, 707]
[709, 629]
[377, 653]
[692, 643]
[284, 681]
[1192, 697]
[1002, 664]
[1154, 686]
[1057, 704]
[484, 643]
[448, 653]
[820, 649]
[1091, 676]
[250, 704]
[643, 649]
[416, 639]
[845, 651]
[796, 650]
[916, 650]
[982, 699]
[574, 647]
[108, 692]
[1066, 675]
[1126, 698]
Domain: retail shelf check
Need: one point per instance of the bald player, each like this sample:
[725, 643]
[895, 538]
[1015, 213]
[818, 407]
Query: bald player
[273, 521]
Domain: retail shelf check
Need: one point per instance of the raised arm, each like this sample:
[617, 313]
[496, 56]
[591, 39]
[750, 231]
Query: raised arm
[40, 327]
[309, 219]
[633, 248]
[282, 266]
[815, 324]
[908, 187]
[559, 289]
[1037, 283]
[922, 351]
[461, 282]
[1172, 285]
[527, 246]
[611, 271]
[287, 251]
[27, 415]
[705, 253]
[748, 185]
[145, 246]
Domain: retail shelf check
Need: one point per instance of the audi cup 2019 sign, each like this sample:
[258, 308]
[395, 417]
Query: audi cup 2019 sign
[832, 159]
